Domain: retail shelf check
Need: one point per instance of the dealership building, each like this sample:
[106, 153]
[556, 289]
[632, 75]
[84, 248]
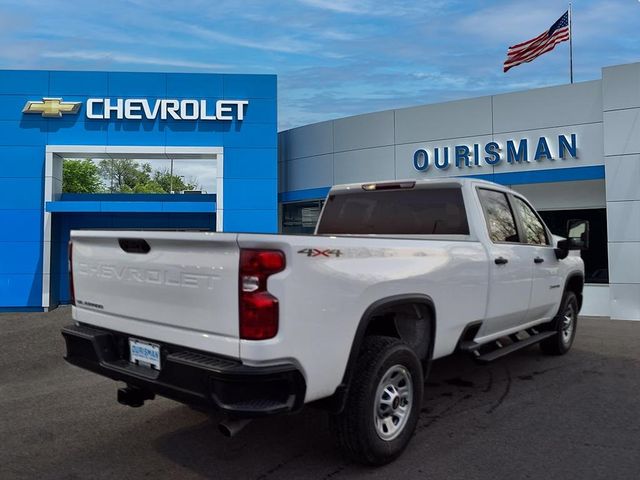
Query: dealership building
[573, 150]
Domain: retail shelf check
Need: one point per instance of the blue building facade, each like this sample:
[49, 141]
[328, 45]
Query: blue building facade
[46, 116]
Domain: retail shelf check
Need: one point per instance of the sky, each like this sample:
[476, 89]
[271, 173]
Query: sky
[333, 58]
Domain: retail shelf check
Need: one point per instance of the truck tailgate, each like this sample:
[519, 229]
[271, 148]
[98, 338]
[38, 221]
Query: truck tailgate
[184, 289]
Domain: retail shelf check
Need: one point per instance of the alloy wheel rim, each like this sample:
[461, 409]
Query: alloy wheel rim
[393, 402]
[568, 323]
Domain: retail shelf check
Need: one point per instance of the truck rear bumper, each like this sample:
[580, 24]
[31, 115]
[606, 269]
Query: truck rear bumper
[189, 376]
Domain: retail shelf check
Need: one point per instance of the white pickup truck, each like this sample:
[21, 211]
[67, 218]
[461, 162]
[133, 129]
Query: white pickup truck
[397, 274]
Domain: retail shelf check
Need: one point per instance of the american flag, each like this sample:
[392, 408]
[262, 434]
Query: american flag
[543, 43]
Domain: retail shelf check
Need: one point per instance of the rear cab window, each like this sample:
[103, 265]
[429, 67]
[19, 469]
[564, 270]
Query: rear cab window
[417, 211]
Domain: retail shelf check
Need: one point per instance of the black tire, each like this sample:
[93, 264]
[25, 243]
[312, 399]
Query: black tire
[356, 429]
[565, 325]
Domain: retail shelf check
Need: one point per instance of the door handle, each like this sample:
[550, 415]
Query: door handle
[501, 261]
[538, 260]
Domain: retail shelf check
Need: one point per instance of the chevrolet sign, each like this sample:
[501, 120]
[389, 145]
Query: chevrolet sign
[51, 107]
[142, 109]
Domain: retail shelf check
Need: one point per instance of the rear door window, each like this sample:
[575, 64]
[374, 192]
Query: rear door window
[501, 222]
[418, 211]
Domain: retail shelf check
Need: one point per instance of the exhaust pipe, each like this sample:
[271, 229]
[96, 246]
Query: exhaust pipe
[231, 427]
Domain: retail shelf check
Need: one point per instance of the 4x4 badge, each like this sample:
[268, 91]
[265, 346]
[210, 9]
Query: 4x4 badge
[315, 252]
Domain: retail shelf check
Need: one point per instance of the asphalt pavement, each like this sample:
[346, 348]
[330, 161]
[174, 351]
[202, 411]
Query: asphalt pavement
[525, 416]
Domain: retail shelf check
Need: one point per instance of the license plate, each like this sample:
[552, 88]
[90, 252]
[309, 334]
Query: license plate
[144, 353]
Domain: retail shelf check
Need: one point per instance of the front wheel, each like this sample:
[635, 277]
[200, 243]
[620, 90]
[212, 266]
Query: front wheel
[383, 403]
[565, 324]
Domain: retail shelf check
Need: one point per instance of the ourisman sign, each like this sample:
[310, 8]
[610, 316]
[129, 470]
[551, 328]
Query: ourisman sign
[493, 153]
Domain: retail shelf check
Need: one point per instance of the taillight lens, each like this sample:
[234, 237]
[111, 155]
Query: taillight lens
[258, 308]
[72, 292]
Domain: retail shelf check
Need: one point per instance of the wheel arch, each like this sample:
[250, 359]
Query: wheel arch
[575, 283]
[371, 323]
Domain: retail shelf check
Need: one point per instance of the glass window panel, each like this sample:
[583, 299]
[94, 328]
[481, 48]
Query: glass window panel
[301, 217]
[500, 220]
[534, 231]
[420, 211]
[130, 175]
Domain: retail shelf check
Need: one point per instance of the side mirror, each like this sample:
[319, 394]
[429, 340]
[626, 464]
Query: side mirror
[577, 238]
[578, 234]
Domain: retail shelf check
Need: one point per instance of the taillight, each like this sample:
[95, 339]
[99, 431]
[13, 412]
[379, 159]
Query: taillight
[258, 308]
[72, 292]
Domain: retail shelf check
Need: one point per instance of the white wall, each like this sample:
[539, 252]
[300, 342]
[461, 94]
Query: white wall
[604, 114]
[565, 195]
[380, 146]
[621, 105]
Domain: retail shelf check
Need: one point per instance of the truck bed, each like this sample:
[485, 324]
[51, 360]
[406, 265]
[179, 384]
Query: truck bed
[185, 290]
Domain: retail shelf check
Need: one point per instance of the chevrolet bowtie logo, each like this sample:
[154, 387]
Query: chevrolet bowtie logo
[51, 107]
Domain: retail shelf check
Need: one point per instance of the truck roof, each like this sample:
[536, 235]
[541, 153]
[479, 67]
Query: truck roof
[413, 183]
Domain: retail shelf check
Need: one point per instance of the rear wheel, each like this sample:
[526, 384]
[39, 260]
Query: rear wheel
[383, 403]
[565, 324]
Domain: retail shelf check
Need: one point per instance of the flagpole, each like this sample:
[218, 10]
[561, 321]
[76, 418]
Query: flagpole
[570, 44]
